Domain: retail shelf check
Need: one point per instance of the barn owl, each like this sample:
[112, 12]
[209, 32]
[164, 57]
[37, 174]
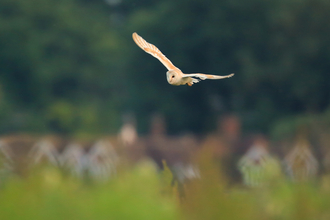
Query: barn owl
[174, 75]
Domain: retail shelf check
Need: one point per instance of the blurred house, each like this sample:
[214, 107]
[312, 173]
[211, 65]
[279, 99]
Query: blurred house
[96, 160]
[74, 160]
[6, 162]
[258, 166]
[47, 150]
[102, 160]
[300, 163]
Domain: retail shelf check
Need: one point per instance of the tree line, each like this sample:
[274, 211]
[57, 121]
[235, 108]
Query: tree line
[70, 66]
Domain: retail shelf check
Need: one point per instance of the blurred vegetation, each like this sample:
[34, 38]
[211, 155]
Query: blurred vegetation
[49, 194]
[57, 67]
[71, 66]
[142, 193]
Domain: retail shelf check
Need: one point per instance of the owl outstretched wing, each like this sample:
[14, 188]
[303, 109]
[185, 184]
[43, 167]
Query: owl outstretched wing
[202, 76]
[153, 50]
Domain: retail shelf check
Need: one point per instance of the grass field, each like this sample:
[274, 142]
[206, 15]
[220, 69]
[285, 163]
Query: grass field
[140, 192]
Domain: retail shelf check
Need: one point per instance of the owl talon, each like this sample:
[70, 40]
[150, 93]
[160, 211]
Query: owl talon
[195, 80]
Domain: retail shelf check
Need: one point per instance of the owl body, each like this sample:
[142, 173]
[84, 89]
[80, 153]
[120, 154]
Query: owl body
[175, 79]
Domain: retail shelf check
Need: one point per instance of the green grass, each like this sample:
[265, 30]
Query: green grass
[49, 194]
[143, 193]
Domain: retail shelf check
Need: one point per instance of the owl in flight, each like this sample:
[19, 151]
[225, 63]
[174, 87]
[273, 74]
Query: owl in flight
[174, 75]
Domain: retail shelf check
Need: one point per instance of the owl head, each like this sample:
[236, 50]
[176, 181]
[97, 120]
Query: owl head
[172, 77]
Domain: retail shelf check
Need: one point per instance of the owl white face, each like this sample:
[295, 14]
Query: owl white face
[172, 77]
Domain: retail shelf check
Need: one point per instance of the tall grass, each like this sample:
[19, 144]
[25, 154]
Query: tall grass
[144, 193]
[49, 194]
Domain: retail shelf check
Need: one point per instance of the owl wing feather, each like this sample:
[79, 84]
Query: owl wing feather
[154, 51]
[202, 76]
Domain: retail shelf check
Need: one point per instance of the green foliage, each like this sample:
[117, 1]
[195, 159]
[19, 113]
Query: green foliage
[314, 125]
[142, 193]
[47, 194]
[71, 59]
[56, 61]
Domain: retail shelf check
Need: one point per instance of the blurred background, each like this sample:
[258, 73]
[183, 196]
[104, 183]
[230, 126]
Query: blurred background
[72, 67]
[78, 94]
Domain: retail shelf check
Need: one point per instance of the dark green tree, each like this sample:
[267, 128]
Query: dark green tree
[71, 65]
[57, 69]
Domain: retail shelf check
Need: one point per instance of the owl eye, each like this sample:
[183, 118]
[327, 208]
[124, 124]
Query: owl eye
[172, 76]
